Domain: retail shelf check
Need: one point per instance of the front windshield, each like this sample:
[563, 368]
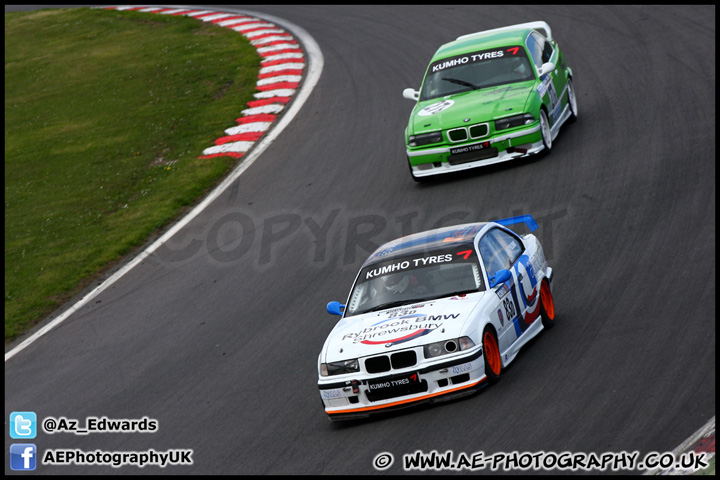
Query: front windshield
[416, 278]
[476, 70]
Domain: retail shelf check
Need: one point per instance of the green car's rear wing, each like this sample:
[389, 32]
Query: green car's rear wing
[538, 25]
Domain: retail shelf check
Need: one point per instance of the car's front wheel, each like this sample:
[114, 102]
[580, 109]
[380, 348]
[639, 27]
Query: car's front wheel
[545, 130]
[547, 305]
[493, 363]
[572, 101]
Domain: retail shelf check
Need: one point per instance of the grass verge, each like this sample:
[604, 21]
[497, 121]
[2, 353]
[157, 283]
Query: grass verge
[106, 114]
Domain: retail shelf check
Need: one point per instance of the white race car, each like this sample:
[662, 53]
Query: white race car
[435, 315]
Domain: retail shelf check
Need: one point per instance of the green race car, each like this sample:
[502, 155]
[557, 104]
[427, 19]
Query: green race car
[489, 97]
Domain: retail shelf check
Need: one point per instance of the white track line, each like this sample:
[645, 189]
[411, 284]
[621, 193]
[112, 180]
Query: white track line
[312, 75]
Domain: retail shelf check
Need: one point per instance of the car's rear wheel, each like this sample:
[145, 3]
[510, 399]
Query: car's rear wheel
[545, 130]
[572, 101]
[547, 305]
[493, 363]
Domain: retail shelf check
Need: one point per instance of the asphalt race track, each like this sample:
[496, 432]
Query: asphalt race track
[216, 336]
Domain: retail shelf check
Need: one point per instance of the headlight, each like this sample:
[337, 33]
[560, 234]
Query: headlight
[447, 346]
[338, 368]
[514, 121]
[424, 139]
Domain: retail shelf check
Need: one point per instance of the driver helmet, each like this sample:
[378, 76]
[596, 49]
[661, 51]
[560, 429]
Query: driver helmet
[396, 284]
[519, 66]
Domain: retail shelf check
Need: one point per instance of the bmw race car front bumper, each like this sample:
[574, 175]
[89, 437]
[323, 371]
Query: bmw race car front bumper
[438, 160]
[365, 394]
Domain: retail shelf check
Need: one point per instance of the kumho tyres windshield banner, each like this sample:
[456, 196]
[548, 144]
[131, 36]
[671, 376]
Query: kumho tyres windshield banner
[281, 73]
[455, 254]
[469, 58]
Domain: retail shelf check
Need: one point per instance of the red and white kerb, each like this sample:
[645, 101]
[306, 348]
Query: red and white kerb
[279, 77]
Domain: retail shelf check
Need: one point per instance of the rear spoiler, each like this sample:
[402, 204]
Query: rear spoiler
[526, 219]
[539, 25]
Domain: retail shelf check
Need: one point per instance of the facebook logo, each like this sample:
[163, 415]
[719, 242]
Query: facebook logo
[22, 456]
[23, 425]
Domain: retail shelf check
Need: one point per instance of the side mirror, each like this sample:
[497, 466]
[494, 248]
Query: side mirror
[500, 277]
[336, 308]
[411, 94]
[546, 68]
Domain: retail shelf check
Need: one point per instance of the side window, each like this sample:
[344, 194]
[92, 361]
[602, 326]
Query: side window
[510, 245]
[489, 251]
[535, 50]
[499, 250]
[547, 52]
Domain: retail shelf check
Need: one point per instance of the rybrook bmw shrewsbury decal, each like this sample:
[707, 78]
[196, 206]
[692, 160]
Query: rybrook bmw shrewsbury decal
[423, 324]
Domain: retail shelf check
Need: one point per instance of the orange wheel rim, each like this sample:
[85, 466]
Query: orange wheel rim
[547, 301]
[492, 352]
